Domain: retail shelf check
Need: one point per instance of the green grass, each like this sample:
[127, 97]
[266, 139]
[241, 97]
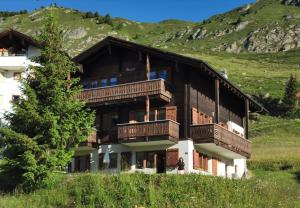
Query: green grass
[128, 190]
[276, 143]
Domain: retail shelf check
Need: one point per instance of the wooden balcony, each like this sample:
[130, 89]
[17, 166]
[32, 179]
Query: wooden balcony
[161, 132]
[126, 92]
[221, 137]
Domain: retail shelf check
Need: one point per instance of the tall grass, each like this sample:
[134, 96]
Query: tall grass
[276, 144]
[128, 190]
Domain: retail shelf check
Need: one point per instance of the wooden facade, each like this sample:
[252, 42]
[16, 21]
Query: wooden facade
[141, 93]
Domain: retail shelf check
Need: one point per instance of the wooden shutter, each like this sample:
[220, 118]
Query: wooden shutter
[205, 163]
[201, 161]
[196, 160]
[171, 113]
[195, 116]
[172, 157]
[215, 166]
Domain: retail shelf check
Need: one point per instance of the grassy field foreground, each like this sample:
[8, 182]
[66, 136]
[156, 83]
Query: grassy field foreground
[128, 190]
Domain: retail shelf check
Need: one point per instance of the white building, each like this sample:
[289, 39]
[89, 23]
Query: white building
[16, 49]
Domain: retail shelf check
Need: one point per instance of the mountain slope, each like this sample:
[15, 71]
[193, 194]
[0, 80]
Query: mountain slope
[266, 26]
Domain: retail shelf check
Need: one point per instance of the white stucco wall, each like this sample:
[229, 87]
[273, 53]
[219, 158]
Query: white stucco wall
[8, 85]
[185, 150]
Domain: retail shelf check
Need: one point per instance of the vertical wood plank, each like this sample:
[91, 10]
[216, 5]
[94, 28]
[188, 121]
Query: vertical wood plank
[217, 101]
[246, 119]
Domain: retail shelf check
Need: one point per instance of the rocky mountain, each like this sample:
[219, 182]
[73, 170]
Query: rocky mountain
[267, 26]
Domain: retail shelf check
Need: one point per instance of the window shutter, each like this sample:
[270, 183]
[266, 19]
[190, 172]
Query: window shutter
[195, 116]
[171, 113]
[172, 157]
[196, 160]
[215, 166]
[201, 161]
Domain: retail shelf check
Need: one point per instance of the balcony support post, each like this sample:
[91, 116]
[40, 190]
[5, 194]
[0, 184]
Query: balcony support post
[187, 110]
[246, 127]
[217, 101]
[147, 97]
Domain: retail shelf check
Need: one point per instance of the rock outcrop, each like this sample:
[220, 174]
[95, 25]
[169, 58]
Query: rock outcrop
[291, 2]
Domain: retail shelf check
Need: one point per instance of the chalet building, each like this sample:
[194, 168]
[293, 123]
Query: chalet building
[16, 49]
[153, 107]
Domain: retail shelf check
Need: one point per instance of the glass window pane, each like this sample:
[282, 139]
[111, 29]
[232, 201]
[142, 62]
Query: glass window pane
[85, 85]
[163, 74]
[94, 84]
[101, 163]
[113, 81]
[125, 160]
[152, 75]
[140, 116]
[139, 160]
[150, 159]
[152, 115]
[103, 82]
[113, 160]
[161, 114]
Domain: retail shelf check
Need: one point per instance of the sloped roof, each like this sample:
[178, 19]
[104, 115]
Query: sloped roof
[170, 56]
[11, 32]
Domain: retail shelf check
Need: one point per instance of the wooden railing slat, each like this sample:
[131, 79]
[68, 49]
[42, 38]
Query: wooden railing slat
[124, 91]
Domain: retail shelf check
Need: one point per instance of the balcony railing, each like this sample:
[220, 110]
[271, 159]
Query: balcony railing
[126, 91]
[214, 133]
[92, 138]
[131, 131]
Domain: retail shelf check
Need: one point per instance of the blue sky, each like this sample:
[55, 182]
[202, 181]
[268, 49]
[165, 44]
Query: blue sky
[140, 10]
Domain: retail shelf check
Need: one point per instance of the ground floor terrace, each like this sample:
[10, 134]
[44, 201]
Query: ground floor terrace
[147, 157]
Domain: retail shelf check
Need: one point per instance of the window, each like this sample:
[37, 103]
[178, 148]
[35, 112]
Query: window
[109, 120]
[150, 159]
[15, 98]
[162, 74]
[85, 85]
[113, 160]
[140, 116]
[94, 84]
[161, 114]
[17, 75]
[145, 156]
[140, 160]
[152, 75]
[101, 163]
[125, 160]
[103, 82]
[113, 81]
[152, 115]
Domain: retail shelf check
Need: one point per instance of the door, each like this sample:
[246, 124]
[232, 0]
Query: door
[161, 162]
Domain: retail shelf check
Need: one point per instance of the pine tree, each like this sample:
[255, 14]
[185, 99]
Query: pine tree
[289, 100]
[47, 122]
[108, 20]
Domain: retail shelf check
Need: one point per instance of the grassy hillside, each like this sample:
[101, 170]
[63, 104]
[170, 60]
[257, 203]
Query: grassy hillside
[88, 190]
[276, 144]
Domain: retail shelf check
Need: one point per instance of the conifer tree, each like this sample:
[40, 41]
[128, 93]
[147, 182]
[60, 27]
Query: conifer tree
[47, 122]
[289, 100]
